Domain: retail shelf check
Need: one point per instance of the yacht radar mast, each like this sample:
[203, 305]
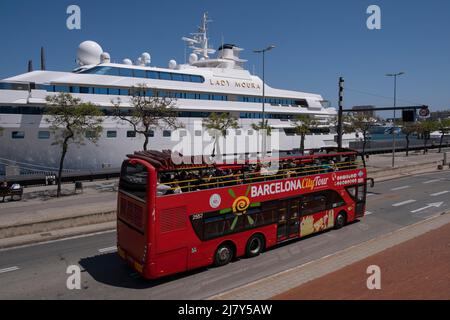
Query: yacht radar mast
[199, 41]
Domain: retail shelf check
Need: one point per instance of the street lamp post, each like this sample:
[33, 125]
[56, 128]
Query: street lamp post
[394, 75]
[263, 51]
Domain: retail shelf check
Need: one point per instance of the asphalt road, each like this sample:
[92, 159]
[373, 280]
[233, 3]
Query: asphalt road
[39, 271]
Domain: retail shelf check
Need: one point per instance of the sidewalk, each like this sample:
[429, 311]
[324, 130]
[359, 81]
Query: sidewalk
[40, 212]
[416, 269]
[291, 279]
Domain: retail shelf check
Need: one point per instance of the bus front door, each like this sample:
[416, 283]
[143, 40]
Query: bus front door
[360, 200]
[288, 220]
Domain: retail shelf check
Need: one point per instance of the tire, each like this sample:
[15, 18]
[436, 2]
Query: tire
[255, 245]
[224, 254]
[340, 220]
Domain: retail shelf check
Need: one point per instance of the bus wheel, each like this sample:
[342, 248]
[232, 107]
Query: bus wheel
[255, 246]
[223, 255]
[341, 220]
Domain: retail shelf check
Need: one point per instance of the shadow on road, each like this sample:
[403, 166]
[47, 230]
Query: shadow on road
[109, 269]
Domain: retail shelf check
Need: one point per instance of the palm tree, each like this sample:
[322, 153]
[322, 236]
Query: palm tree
[303, 126]
[408, 129]
[444, 128]
[217, 126]
[425, 128]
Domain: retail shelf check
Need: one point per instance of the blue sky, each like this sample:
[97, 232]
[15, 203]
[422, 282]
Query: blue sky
[316, 41]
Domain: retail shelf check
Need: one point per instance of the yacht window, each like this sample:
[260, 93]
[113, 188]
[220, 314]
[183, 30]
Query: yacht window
[74, 89]
[131, 134]
[167, 133]
[85, 90]
[250, 132]
[113, 91]
[44, 135]
[124, 92]
[124, 72]
[165, 76]
[183, 133]
[18, 134]
[177, 77]
[100, 91]
[150, 133]
[198, 133]
[61, 88]
[139, 74]
[111, 134]
[152, 74]
[197, 79]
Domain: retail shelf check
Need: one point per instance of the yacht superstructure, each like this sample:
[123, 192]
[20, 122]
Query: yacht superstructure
[200, 87]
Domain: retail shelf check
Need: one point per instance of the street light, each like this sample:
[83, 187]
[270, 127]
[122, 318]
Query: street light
[263, 51]
[394, 75]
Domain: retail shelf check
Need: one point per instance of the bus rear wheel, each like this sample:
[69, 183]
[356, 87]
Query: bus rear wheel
[340, 221]
[223, 255]
[255, 246]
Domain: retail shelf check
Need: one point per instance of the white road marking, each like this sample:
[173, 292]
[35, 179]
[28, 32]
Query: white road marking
[9, 269]
[369, 194]
[439, 193]
[368, 213]
[436, 205]
[403, 203]
[400, 188]
[109, 249]
[431, 181]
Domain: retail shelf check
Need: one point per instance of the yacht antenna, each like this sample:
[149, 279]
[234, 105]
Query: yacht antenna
[200, 39]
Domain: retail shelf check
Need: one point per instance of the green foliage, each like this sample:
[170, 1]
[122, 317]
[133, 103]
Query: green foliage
[148, 112]
[263, 126]
[217, 124]
[70, 120]
[304, 124]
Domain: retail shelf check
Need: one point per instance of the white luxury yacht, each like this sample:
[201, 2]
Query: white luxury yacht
[200, 87]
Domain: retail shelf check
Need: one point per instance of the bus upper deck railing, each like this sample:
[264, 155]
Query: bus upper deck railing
[209, 182]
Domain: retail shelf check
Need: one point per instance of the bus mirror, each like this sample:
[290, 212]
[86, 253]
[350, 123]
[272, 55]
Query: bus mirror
[371, 181]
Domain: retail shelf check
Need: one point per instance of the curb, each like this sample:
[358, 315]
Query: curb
[48, 225]
[39, 238]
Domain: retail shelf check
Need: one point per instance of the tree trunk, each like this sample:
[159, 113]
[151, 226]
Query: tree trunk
[61, 164]
[425, 141]
[441, 142]
[302, 144]
[145, 142]
[214, 148]
[407, 144]
[364, 143]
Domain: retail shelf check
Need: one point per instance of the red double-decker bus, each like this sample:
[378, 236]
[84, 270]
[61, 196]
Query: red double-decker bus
[173, 218]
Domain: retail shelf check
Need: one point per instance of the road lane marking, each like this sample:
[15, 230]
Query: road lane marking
[400, 188]
[368, 213]
[431, 181]
[369, 194]
[439, 193]
[9, 269]
[109, 249]
[436, 205]
[403, 203]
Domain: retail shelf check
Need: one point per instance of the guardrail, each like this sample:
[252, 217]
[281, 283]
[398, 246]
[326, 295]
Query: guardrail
[68, 177]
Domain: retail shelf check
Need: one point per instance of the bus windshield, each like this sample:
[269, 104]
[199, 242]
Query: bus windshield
[133, 180]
